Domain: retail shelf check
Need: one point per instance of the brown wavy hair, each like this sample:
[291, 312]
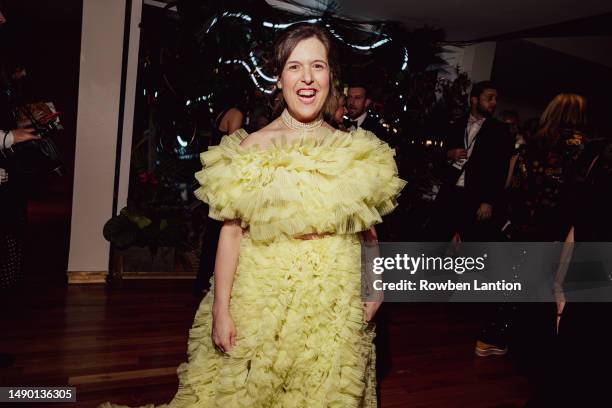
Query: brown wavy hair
[284, 46]
[566, 111]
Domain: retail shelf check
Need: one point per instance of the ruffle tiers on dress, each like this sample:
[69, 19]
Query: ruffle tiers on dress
[297, 306]
[328, 181]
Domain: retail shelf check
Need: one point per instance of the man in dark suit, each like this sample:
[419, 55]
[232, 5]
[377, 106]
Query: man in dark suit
[478, 150]
[471, 201]
[357, 103]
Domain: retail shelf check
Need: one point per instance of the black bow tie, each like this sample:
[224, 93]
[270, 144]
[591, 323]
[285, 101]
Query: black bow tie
[353, 123]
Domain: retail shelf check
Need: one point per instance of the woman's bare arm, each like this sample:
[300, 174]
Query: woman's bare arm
[370, 236]
[226, 262]
[232, 120]
[511, 167]
[224, 330]
[566, 257]
[375, 298]
[564, 261]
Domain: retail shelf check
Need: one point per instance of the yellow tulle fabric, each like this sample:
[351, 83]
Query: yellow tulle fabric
[301, 337]
[326, 181]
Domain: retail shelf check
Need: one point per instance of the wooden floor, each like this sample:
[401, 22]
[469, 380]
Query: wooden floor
[124, 344]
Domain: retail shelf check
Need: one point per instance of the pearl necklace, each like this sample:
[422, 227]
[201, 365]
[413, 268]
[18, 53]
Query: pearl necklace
[293, 123]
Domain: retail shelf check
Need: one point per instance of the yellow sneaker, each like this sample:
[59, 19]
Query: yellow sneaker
[485, 349]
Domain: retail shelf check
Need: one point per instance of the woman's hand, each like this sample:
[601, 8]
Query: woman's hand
[484, 212]
[370, 239]
[370, 310]
[24, 135]
[456, 154]
[560, 300]
[224, 330]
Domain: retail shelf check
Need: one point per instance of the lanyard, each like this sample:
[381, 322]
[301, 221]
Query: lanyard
[466, 137]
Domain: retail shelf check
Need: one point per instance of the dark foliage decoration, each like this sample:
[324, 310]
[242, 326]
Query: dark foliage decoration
[198, 57]
[214, 41]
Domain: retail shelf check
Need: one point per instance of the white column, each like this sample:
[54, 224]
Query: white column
[102, 42]
[130, 100]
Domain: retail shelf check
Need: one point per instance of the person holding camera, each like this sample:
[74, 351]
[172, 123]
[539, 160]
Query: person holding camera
[13, 206]
[11, 221]
[12, 212]
[11, 137]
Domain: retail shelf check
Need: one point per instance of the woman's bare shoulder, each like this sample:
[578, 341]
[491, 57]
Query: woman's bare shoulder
[262, 136]
[234, 110]
[233, 113]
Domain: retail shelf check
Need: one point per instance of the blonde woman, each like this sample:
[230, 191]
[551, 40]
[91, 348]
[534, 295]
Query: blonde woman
[545, 169]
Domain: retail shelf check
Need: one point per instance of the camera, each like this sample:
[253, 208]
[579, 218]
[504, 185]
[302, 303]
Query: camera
[41, 156]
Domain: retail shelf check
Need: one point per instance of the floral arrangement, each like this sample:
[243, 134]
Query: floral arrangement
[154, 216]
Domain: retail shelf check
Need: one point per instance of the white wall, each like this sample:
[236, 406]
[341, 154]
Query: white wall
[476, 60]
[130, 101]
[96, 140]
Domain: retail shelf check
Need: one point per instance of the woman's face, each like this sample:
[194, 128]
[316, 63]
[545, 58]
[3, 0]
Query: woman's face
[305, 80]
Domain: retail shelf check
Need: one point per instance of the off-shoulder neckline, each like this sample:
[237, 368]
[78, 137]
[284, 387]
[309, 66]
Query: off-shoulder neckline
[311, 139]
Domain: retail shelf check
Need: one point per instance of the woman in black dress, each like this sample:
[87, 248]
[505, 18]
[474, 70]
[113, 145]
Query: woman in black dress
[585, 332]
[546, 182]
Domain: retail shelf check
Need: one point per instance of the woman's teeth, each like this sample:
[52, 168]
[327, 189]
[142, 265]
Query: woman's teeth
[306, 93]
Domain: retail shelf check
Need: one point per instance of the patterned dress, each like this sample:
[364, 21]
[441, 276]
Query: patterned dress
[544, 186]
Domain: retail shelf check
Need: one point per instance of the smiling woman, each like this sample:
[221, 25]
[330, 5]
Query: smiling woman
[304, 63]
[284, 324]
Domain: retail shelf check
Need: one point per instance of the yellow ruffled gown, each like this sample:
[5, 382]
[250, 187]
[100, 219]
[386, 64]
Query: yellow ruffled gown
[301, 338]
